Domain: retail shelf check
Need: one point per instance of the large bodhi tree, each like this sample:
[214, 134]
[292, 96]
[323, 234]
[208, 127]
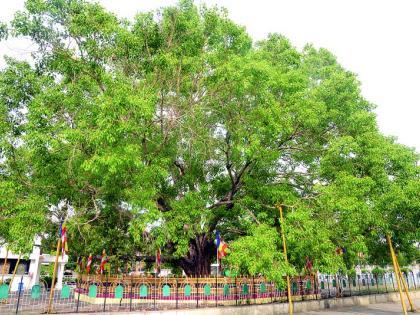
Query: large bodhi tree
[158, 131]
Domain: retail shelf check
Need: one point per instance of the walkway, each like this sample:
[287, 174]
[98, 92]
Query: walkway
[372, 309]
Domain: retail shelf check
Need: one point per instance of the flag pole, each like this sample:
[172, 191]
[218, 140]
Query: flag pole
[14, 271]
[396, 274]
[394, 257]
[289, 296]
[413, 308]
[217, 262]
[4, 265]
[49, 311]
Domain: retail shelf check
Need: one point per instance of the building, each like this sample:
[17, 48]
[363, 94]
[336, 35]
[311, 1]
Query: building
[28, 271]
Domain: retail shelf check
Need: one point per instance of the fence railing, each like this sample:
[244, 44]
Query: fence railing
[129, 293]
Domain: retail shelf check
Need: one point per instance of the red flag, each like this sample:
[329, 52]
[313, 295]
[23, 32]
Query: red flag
[104, 260]
[158, 260]
[80, 263]
[89, 262]
[64, 247]
[308, 264]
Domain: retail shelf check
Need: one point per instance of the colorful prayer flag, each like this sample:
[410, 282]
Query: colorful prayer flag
[308, 264]
[217, 239]
[222, 249]
[339, 251]
[63, 235]
[158, 260]
[80, 263]
[104, 260]
[221, 246]
[89, 262]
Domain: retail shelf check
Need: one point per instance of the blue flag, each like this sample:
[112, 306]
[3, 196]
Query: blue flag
[60, 229]
[217, 239]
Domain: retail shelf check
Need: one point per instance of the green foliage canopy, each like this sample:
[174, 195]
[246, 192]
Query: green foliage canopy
[158, 131]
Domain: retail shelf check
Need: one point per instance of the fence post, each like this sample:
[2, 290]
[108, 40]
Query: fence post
[176, 292]
[196, 290]
[236, 292]
[316, 286]
[368, 280]
[253, 290]
[216, 290]
[377, 285]
[386, 287]
[414, 280]
[131, 290]
[358, 283]
[106, 291]
[271, 291]
[392, 279]
[328, 284]
[78, 294]
[20, 287]
[350, 283]
[301, 288]
[154, 292]
[406, 278]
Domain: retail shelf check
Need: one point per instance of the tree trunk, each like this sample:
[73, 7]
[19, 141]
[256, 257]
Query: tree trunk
[198, 260]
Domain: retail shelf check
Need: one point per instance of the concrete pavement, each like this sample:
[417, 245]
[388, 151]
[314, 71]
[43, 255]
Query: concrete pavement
[392, 308]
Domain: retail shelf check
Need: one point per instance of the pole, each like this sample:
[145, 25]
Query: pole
[78, 292]
[236, 293]
[154, 295]
[20, 287]
[217, 262]
[196, 289]
[289, 296]
[131, 287]
[176, 292]
[413, 309]
[14, 271]
[106, 291]
[271, 291]
[216, 288]
[253, 290]
[396, 274]
[328, 285]
[414, 279]
[350, 284]
[49, 311]
[393, 285]
[3, 270]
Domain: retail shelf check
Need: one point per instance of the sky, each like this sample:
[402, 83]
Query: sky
[376, 39]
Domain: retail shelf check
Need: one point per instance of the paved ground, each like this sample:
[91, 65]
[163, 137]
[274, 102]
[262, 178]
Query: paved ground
[372, 309]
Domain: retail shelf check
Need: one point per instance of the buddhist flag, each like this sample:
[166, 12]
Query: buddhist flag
[63, 235]
[80, 264]
[104, 260]
[340, 251]
[158, 260]
[89, 262]
[308, 264]
[221, 246]
[218, 239]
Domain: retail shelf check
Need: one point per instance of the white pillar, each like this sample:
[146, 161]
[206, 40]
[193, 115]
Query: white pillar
[35, 263]
[60, 274]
